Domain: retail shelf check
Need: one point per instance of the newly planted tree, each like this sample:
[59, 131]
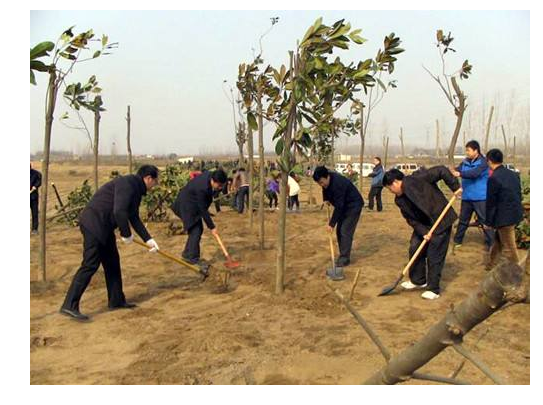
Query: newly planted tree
[69, 50]
[446, 81]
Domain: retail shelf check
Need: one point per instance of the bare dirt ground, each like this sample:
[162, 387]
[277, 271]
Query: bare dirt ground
[185, 332]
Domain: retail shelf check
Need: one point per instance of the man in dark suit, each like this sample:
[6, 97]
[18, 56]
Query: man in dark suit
[503, 209]
[191, 205]
[35, 183]
[115, 204]
[421, 202]
[347, 201]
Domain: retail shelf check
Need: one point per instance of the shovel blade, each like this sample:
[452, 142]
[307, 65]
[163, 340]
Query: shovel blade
[231, 264]
[387, 290]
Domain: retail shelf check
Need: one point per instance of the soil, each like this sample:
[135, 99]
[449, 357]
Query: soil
[188, 332]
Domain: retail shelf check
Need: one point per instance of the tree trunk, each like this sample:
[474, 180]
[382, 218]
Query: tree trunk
[386, 152]
[332, 160]
[438, 152]
[251, 173]
[498, 287]
[240, 145]
[362, 146]
[487, 134]
[52, 91]
[282, 225]
[262, 180]
[459, 111]
[128, 146]
[401, 141]
[505, 148]
[95, 147]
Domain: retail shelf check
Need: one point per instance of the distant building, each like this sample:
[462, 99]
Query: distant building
[187, 159]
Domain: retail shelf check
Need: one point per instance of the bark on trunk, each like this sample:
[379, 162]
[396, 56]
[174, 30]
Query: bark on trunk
[459, 111]
[487, 134]
[386, 152]
[95, 147]
[128, 146]
[362, 147]
[505, 148]
[52, 91]
[251, 174]
[261, 182]
[401, 141]
[499, 287]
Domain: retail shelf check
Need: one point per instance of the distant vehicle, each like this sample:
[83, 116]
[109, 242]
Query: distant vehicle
[366, 169]
[407, 168]
[511, 167]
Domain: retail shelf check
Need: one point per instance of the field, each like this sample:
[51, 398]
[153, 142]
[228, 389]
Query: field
[186, 332]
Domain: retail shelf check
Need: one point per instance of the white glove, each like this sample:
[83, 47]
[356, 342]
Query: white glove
[153, 245]
[128, 240]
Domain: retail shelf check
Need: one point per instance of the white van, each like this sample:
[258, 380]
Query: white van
[407, 168]
[366, 170]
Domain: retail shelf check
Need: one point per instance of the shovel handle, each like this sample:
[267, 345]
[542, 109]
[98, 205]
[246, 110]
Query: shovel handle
[171, 257]
[330, 237]
[432, 229]
[223, 248]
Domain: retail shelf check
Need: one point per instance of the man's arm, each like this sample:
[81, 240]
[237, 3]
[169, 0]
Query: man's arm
[138, 226]
[436, 173]
[122, 197]
[202, 208]
[492, 193]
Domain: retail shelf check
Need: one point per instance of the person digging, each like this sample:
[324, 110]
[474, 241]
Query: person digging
[340, 192]
[421, 203]
[191, 205]
[114, 205]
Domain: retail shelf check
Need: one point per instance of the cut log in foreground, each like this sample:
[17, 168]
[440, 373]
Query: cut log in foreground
[501, 286]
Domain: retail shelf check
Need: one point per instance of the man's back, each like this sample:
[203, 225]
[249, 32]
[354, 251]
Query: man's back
[504, 198]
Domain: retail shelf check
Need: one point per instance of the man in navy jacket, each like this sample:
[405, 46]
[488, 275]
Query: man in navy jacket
[35, 183]
[503, 208]
[347, 201]
[474, 173]
[376, 189]
[115, 204]
[192, 204]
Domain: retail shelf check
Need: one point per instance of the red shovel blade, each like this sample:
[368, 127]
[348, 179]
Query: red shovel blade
[231, 264]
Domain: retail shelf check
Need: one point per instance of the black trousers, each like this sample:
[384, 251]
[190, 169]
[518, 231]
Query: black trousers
[429, 265]
[272, 198]
[242, 198]
[467, 208]
[34, 210]
[292, 201]
[375, 194]
[94, 254]
[192, 246]
[345, 229]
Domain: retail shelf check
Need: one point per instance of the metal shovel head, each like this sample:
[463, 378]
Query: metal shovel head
[231, 264]
[387, 290]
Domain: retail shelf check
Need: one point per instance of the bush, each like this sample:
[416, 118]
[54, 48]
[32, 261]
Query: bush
[77, 200]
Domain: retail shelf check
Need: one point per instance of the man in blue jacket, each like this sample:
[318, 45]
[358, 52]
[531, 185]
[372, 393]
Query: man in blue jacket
[376, 184]
[474, 173]
[503, 208]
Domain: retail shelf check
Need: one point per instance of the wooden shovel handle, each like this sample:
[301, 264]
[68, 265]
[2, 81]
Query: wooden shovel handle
[432, 229]
[225, 252]
[332, 254]
[171, 257]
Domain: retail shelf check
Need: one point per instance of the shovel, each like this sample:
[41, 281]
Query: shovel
[230, 264]
[172, 257]
[390, 288]
[331, 241]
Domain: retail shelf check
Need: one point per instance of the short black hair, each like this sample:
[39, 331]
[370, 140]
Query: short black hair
[473, 144]
[495, 156]
[320, 172]
[391, 175]
[219, 176]
[377, 158]
[148, 170]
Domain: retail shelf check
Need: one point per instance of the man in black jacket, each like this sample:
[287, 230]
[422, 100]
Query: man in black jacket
[421, 202]
[347, 201]
[191, 205]
[35, 183]
[115, 204]
[503, 208]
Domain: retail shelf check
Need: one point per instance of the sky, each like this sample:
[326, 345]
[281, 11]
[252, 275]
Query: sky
[170, 67]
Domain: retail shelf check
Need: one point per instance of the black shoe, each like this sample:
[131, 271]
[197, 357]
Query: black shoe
[204, 269]
[341, 262]
[74, 313]
[124, 305]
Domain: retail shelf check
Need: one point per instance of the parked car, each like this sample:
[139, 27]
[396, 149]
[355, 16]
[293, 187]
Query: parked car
[407, 168]
[366, 169]
[511, 167]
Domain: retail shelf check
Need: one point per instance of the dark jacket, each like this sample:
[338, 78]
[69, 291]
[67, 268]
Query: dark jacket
[343, 195]
[35, 181]
[503, 198]
[115, 204]
[474, 175]
[193, 201]
[377, 175]
[422, 201]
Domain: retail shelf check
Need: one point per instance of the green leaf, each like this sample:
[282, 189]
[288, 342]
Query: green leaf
[279, 146]
[39, 66]
[32, 78]
[41, 49]
[251, 120]
[104, 40]
[96, 54]
[381, 84]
